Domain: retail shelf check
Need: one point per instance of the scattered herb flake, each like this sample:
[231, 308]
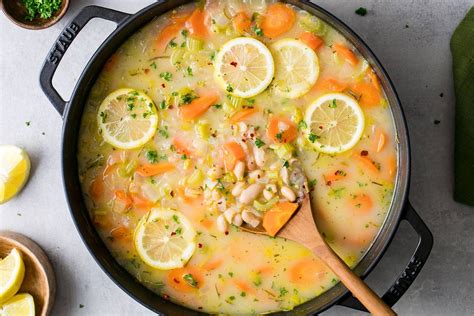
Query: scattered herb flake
[313, 137]
[259, 143]
[168, 76]
[361, 11]
[190, 280]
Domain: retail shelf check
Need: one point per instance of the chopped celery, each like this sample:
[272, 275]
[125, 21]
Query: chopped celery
[202, 129]
[283, 151]
[360, 73]
[194, 44]
[127, 169]
[313, 24]
[235, 101]
[262, 207]
[228, 108]
[229, 177]
[195, 179]
[177, 56]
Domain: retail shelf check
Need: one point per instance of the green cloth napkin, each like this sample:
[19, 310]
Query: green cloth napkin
[462, 48]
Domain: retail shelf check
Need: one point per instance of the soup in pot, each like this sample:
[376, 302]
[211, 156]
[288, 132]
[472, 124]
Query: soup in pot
[226, 113]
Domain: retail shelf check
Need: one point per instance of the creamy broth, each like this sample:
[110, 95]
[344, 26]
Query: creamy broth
[235, 272]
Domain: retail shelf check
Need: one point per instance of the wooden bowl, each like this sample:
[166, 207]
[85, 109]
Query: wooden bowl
[15, 11]
[39, 278]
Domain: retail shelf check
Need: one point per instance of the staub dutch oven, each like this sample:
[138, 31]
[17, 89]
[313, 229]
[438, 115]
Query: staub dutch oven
[71, 112]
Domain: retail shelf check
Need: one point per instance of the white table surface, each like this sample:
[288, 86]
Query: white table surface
[418, 60]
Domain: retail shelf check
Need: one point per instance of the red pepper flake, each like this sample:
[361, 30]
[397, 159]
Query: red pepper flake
[233, 63]
[176, 280]
[364, 153]
[163, 85]
[173, 233]
[146, 70]
[227, 233]
[166, 296]
[200, 245]
[209, 64]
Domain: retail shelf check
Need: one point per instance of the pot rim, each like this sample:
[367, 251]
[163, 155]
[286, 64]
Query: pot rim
[80, 214]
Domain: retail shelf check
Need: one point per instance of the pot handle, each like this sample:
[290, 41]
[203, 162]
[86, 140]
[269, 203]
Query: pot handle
[414, 266]
[62, 43]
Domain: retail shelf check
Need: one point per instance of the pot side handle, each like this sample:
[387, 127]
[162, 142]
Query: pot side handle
[62, 43]
[412, 269]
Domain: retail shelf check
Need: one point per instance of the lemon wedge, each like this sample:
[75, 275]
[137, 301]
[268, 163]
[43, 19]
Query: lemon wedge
[127, 118]
[296, 68]
[335, 123]
[244, 67]
[165, 239]
[19, 305]
[12, 272]
[14, 171]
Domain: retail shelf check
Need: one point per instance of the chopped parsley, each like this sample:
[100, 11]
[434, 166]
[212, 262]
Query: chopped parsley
[185, 32]
[229, 88]
[44, 9]
[243, 294]
[333, 104]
[163, 105]
[258, 31]
[213, 56]
[184, 157]
[176, 219]
[361, 11]
[189, 71]
[279, 136]
[163, 131]
[28, 123]
[312, 183]
[173, 44]
[168, 76]
[179, 230]
[283, 291]
[313, 137]
[217, 106]
[286, 164]
[190, 280]
[188, 97]
[153, 65]
[259, 143]
[152, 156]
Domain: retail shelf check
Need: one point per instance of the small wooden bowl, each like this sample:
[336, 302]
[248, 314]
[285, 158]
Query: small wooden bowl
[15, 11]
[39, 278]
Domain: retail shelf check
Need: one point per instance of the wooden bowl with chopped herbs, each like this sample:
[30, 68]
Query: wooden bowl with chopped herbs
[34, 14]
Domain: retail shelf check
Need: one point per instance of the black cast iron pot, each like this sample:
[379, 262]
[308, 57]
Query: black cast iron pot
[71, 112]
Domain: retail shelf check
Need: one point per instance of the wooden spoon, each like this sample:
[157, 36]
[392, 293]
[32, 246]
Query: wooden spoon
[302, 229]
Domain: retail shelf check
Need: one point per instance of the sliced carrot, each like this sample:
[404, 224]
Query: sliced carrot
[367, 163]
[244, 286]
[140, 202]
[96, 189]
[241, 22]
[198, 106]
[345, 52]
[311, 40]
[242, 115]
[213, 264]
[374, 79]
[278, 19]
[379, 140]
[149, 170]
[369, 95]
[281, 130]
[176, 279]
[361, 203]
[306, 272]
[330, 84]
[334, 176]
[229, 162]
[196, 24]
[391, 166]
[167, 34]
[123, 197]
[181, 147]
[235, 149]
[276, 218]
[120, 233]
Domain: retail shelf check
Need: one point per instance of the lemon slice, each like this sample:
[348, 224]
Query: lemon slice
[164, 239]
[19, 305]
[127, 118]
[12, 271]
[335, 123]
[296, 68]
[244, 67]
[14, 171]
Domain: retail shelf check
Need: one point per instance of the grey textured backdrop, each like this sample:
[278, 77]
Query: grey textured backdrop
[410, 37]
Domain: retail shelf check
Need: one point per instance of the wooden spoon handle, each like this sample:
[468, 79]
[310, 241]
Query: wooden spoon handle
[374, 304]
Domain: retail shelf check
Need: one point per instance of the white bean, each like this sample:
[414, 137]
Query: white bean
[288, 193]
[249, 194]
[250, 218]
[239, 170]
[284, 175]
[214, 173]
[221, 224]
[242, 127]
[237, 220]
[229, 215]
[238, 188]
[256, 174]
[259, 154]
[269, 192]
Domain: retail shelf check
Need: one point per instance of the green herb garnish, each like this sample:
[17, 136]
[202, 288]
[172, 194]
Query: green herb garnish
[44, 9]
[259, 143]
[168, 76]
[361, 11]
[190, 280]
